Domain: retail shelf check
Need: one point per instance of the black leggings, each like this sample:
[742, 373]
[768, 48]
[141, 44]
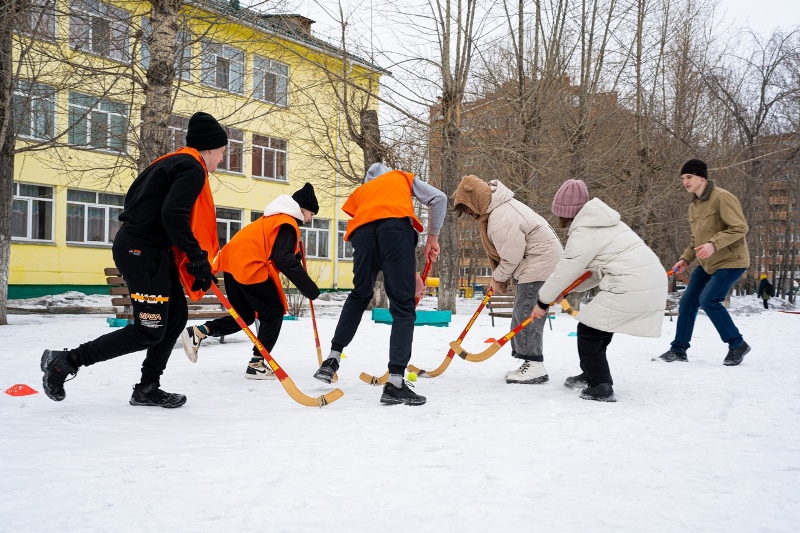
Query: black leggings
[592, 344]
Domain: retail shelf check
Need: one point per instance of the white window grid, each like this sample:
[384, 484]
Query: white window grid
[478, 272]
[34, 110]
[270, 81]
[183, 49]
[229, 222]
[97, 123]
[100, 29]
[93, 217]
[177, 128]
[222, 67]
[269, 158]
[40, 19]
[233, 159]
[316, 236]
[344, 249]
[32, 212]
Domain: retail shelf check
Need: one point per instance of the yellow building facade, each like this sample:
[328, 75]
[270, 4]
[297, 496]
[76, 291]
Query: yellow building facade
[78, 108]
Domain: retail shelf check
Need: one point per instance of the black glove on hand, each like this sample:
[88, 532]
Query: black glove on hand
[200, 269]
[299, 256]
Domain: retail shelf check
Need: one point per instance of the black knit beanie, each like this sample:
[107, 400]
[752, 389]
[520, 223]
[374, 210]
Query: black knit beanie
[306, 198]
[696, 167]
[205, 133]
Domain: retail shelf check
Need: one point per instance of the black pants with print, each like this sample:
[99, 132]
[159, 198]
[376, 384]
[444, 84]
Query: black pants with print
[592, 344]
[388, 246]
[159, 310]
[261, 299]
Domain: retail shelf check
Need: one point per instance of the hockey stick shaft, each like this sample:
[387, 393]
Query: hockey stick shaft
[314, 315]
[280, 373]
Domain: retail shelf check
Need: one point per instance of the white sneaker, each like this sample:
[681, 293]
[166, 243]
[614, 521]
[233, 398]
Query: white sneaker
[530, 372]
[192, 337]
[259, 370]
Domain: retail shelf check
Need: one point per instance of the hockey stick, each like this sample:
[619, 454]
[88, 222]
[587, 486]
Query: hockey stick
[497, 344]
[372, 380]
[450, 353]
[285, 380]
[314, 316]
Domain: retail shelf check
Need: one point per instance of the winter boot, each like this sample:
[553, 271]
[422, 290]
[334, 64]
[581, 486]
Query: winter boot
[577, 382]
[151, 395]
[736, 355]
[394, 395]
[671, 356]
[531, 372]
[601, 393]
[327, 370]
[57, 368]
[191, 337]
[258, 370]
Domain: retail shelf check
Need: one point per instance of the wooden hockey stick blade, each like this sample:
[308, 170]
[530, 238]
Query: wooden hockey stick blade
[568, 308]
[477, 357]
[280, 373]
[372, 380]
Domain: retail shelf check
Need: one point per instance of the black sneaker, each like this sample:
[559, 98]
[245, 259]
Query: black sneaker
[327, 370]
[601, 393]
[151, 395]
[671, 356]
[57, 369]
[393, 395]
[577, 382]
[736, 355]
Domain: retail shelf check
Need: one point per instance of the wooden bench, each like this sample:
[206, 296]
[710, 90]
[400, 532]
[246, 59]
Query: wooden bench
[502, 305]
[207, 307]
[671, 309]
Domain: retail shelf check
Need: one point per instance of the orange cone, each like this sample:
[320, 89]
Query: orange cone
[20, 390]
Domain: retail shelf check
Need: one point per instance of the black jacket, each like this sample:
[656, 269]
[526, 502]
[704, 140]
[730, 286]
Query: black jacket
[289, 265]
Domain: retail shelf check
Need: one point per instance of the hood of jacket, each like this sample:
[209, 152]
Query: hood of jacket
[595, 214]
[286, 205]
[500, 195]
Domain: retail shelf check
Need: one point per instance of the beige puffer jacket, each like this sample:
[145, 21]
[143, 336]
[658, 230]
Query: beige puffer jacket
[632, 281]
[529, 248]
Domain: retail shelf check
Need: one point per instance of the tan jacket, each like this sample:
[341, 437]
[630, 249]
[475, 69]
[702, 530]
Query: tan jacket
[716, 217]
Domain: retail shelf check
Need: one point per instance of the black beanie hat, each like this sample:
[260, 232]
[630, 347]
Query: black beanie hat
[306, 198]
[205, 133]
[696, 167]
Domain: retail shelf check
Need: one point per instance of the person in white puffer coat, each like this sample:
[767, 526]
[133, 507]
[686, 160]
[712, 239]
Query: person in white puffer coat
[631, 281]
[520, 245]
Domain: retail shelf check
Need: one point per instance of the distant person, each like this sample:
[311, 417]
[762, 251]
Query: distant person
[765, 290]
[384, 232]
[252, 262]
[719, 244]
[520, 245]
[631, 283]
[156, 234]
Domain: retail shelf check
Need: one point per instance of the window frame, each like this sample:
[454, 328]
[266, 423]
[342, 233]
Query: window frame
[344, 249]
[85, 15]
[226, 222]
[109, 231]
[259, 153]
[234, 152]
[263, 69]
[35, 100]
[29, 210]
[311, 228]
[211, 55]
[39, 20]
[79, 112]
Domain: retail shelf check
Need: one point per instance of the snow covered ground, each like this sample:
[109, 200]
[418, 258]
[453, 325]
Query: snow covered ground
[688, 446]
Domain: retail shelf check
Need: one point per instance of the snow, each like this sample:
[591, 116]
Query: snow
[688, 446]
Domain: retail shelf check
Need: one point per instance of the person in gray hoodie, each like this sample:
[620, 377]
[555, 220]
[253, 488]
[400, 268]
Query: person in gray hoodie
[522, 246]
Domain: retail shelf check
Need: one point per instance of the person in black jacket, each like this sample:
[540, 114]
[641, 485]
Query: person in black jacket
[155, 218]
[765, 290]
[251, 262]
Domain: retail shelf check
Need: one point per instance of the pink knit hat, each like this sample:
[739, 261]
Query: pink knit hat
[570, 198]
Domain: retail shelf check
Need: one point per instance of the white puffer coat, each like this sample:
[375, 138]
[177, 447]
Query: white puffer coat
[632, 281]
[528, 247]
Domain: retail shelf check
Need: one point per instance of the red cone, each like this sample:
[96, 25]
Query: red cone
[20, 390]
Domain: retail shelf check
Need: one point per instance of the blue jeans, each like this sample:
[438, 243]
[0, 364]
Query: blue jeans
[707, 291]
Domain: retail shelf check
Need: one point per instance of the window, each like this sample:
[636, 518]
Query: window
[99, 28]
[233, 160]
[39, 19]
[32, 212]
[97, 123]
[255, 215]
[478, 272]
[269, 158]
[229, 221]
[93, 217]
[315, 237]
[344, 249]
[223, 67]
[33, 105]
[270, 80]
[177, 127]
[183, 51]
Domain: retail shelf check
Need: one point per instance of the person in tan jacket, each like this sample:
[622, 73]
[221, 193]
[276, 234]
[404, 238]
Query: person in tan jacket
[719, 244]
[520, 244]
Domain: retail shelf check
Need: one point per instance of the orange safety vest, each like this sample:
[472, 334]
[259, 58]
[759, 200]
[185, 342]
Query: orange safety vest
[203, 220]
[387, 196]
[246, 256]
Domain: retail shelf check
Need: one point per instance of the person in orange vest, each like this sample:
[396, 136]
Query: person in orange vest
[251, 262]
[167, 209]
[384, 234]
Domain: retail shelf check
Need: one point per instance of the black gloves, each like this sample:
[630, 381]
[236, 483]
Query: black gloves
[299, 256]
[200, 269]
